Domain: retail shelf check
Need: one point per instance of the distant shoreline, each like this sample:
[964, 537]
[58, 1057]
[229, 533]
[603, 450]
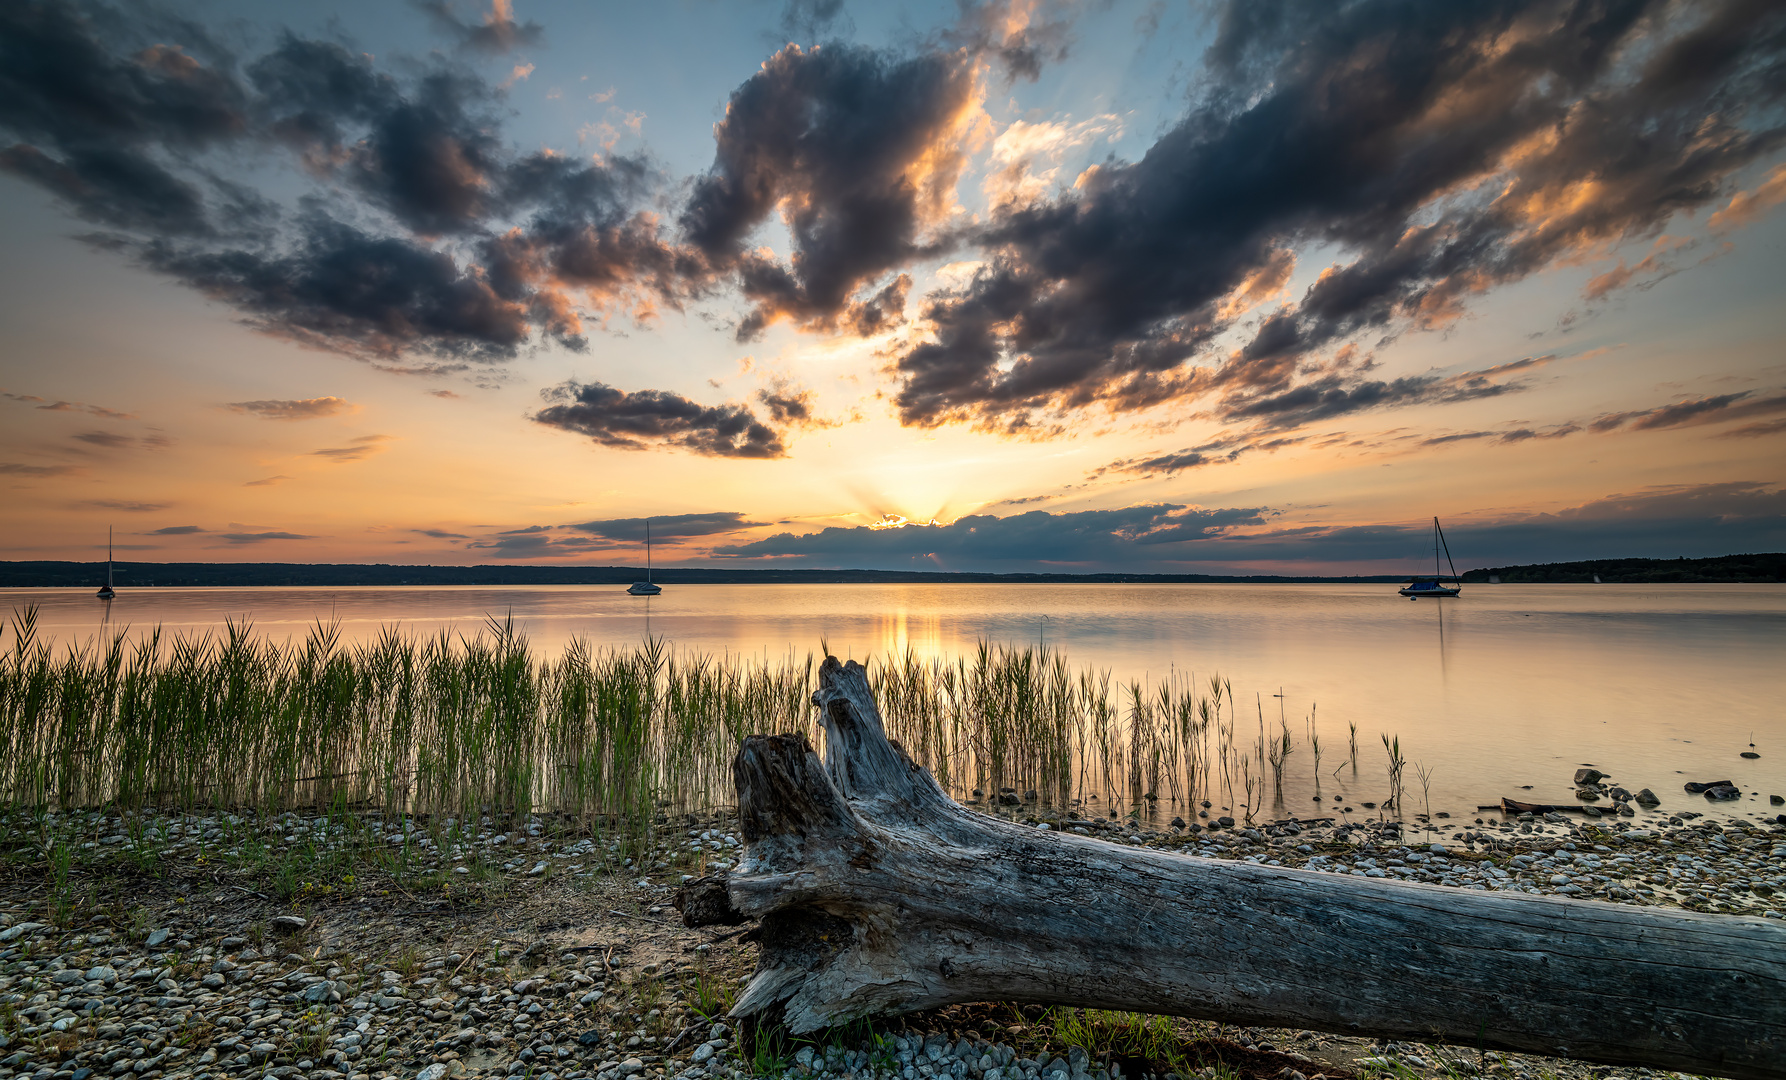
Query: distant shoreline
[1733, 569]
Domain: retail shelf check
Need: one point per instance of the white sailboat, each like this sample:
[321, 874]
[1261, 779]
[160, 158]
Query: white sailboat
[645, 588]
[1435, 585]
[106, 592]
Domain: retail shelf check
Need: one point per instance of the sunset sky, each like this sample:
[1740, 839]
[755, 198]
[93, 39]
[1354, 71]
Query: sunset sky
[1137, 285]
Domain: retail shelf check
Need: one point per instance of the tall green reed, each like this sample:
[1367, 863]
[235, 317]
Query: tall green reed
[467, 726]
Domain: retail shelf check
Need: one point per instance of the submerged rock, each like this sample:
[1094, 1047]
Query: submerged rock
[1696, 787]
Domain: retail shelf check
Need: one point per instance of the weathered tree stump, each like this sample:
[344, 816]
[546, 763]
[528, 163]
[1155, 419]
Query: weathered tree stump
[877, 894]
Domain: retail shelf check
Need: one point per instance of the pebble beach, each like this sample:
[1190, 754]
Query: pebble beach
[535, 951]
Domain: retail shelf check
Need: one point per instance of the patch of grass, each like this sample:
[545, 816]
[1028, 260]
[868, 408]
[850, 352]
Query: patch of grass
[1103, 1035]
[711, 996]
[406, 961]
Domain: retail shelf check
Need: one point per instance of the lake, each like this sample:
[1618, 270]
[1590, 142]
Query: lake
[1504, 687]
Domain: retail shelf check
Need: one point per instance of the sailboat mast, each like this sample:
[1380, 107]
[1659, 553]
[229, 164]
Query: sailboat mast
[648, 550]
[1441, 535]
[1435, 546]
[108, 556]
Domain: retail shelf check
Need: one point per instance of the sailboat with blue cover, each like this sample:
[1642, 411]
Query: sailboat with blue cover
[1438, 584]
[645, 588]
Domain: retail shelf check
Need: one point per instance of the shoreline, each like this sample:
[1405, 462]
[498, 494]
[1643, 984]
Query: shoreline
[536, 951]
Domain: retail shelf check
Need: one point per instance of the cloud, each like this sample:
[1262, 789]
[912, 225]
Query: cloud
[1693, 411]
[125, 506]
[440, 534]
[1224, 448]
[68, 406]
[1748, 207]
[1753, 431]
[445, 394]
[14, 468]
[1158, 531]
[668, 529]
[268, 481]
[808, 20]
[644, 418]
[497, 33]
[96, 120]
[1008, 33]
[1621, 275]
[1335, 394]
[363, 447]
[1014, 178]
[262, 537]
[1444, 151]
[1658, 522]
[423, 231]
[176, 530]
[1515, 435]
[112, 440]
[860, 152]
[537, 541]
[300, 409]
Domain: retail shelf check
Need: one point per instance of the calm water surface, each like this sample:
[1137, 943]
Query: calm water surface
[1506, 686]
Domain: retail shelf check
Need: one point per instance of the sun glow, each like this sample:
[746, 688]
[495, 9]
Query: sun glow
[895, 521]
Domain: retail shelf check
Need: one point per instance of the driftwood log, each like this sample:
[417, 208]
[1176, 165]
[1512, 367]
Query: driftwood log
[875, 893]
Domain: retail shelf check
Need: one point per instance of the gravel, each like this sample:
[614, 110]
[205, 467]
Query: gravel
[275, 996]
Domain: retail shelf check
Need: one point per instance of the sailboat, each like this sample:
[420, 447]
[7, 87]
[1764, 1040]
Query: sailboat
[105, 591]
[645, 588]
[1435, 585]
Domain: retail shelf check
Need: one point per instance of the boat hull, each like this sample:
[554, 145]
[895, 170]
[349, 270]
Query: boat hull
[644, 588]
[1418, 593]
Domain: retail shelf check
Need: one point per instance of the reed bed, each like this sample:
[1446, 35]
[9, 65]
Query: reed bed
[470, 726]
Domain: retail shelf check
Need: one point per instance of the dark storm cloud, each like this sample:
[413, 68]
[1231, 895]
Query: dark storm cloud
[1448, 148]
[336, 287]
[669, 529]
[429, 233]
[857, 149]
[655, 418]
[496, 33]
[97, 122]
[1155, 532]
